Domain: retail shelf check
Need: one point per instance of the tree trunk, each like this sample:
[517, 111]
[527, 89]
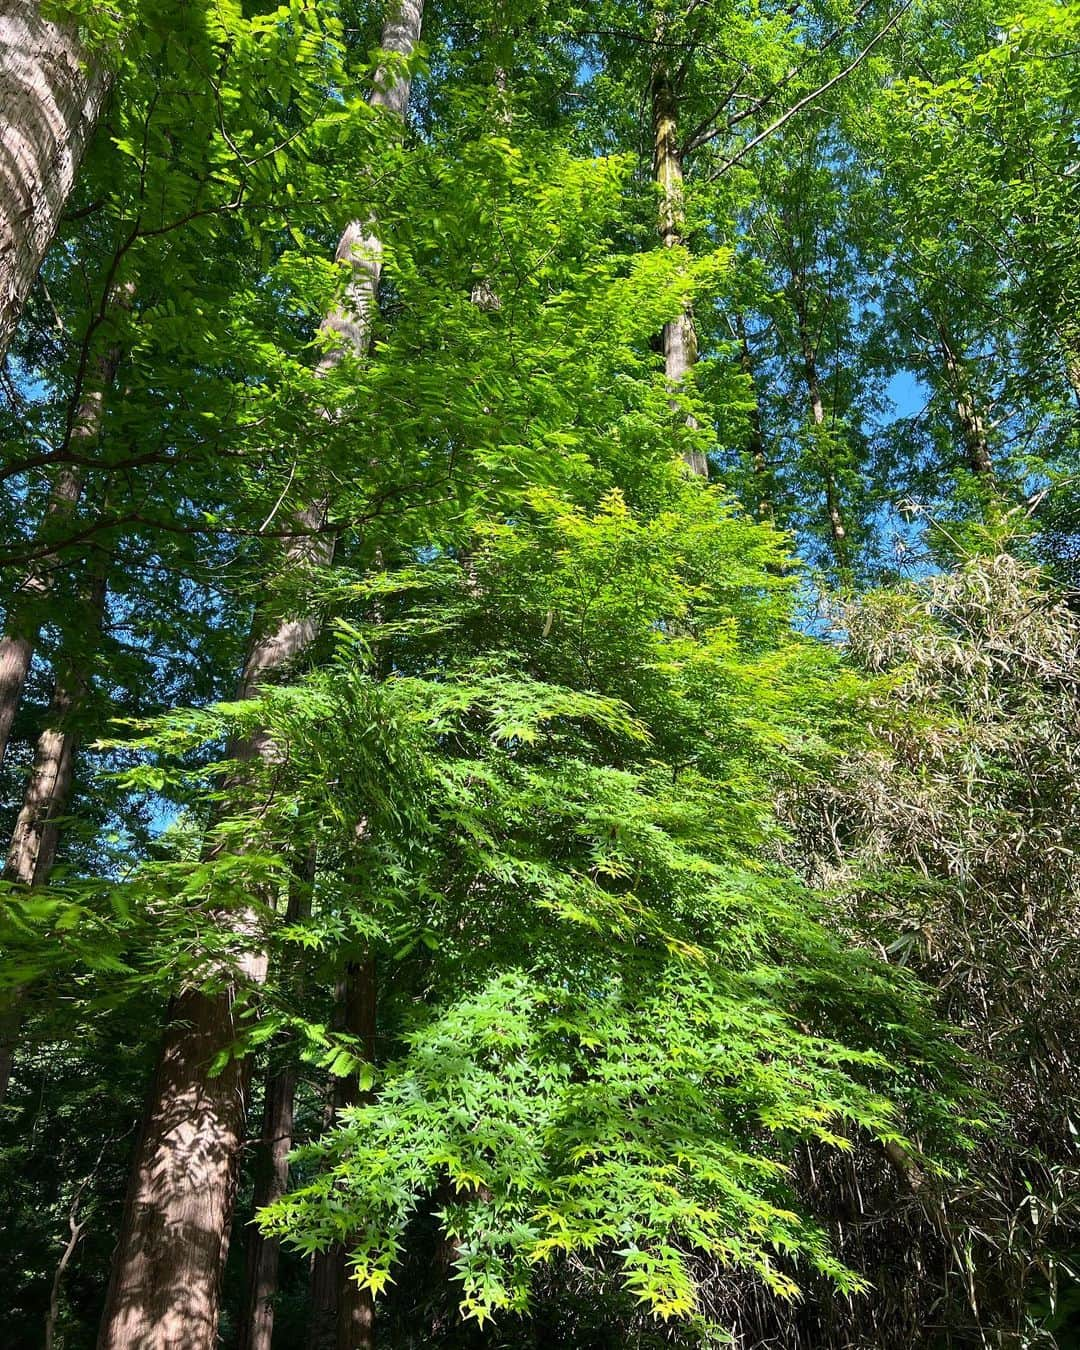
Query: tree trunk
[34, 839]
[759, 461]
[24, 614]
[969, 419]
[356, 1306]
[327, 1274]
[272, 1166]
[36, 834]
[263, 1253]
[343, 1314]
[51, 93]
[349, 325]
[174, 1236]
[175, 1233]
[680, 335]
[833, 508]
[164, 1290]
[18, 643]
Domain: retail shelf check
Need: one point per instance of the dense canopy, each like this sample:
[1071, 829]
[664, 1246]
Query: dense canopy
[539, 674]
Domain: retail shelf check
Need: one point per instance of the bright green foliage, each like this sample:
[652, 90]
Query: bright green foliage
[627, 1017]
[616, 1018]
[528, 769]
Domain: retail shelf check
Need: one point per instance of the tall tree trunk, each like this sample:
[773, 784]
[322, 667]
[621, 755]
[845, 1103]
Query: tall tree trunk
[343, 1314]
[18, 643]
[271, 1182]
[969, 419]
[680, 335]
[327, 1274]
[272, 1165]
[759, 460]
[25, 612]
[36, 834]
[175, 1230]
[164, 1290]
[833, 507]
[34, 839]
[356, 1306]
[51, 94]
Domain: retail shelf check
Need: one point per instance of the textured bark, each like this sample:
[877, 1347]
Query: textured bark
[164, 1290]
[174, 1240]
[349, 325]
[51, 94]
[400, 35]
[24, 617]
[680, 335]
[356, 1306]
[271, 1182]
[327, 1274]
[343, 1314]
[48, 789]
[34, 839]
[968, 417]
[272, 1165]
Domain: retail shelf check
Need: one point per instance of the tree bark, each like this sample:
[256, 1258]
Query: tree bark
[51, 94]
[164, 1290]
[680, 335]
[174, 1238]
[343, 1314]
[34, 839]
[272, 1168]
[264, 1253]
[833, 508]
[356, 1306]
[36, 835]
[24, 615]
[968, 417]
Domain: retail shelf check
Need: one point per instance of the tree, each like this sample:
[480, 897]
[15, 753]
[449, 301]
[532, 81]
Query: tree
[174, 1240]
[52, 90]
[950, 834]
[554, 879]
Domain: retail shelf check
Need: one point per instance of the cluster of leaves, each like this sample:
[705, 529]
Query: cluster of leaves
[953, 836]
[538, 788]
[533, 753]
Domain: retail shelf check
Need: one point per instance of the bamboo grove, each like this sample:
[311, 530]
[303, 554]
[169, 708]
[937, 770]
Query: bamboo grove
[540, 674]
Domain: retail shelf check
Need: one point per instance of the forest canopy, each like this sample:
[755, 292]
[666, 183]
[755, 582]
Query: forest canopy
[539, 674]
